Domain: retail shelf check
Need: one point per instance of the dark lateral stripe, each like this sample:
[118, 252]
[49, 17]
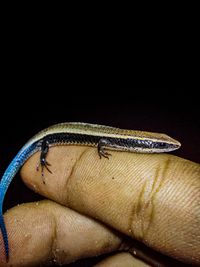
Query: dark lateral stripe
[71, 138]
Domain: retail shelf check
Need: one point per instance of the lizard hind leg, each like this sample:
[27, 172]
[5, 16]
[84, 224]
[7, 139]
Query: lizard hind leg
[43, 162]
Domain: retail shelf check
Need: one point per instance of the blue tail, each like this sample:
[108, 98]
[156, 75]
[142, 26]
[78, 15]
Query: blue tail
[4, 184]
[7, 178]
[5, 236]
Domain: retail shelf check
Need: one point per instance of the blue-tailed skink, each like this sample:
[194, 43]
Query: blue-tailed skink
[74, 133]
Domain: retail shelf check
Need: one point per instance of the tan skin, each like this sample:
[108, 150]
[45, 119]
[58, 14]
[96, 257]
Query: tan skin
[93, 205]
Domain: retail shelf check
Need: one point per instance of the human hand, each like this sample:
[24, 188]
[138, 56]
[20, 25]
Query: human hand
[153, 198]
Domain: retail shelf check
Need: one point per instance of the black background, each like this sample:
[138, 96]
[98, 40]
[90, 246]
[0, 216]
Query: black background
[127, 75]
[27, 110]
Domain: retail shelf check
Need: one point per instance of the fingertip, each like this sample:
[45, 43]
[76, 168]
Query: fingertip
[45, 232]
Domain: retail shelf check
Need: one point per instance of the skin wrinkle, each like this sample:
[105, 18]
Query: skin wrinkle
[165, 167]
[138, 207]
[146, 205]
[54, 240]
[72, 171]
[150, 219]
[152, 199]
[155, 190]
[139, 202]
[53, 245]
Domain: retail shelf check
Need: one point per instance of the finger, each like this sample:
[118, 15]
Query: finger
[120, 260]
[153, 198]
[46, 233]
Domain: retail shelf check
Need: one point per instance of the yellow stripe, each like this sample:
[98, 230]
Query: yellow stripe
[101, 130]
